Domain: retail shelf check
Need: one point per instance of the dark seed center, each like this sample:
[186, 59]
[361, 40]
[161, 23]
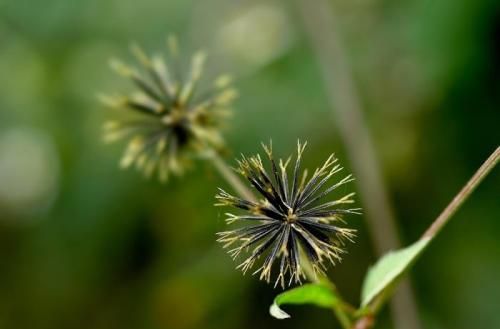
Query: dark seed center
[178, 122]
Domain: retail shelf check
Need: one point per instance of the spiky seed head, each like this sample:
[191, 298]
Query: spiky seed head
[291, 218]
[167, 121]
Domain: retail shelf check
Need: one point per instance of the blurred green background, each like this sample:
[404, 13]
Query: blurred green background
[86, 245]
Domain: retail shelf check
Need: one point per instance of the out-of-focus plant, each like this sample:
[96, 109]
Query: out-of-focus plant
[291, 224]
[168, 119]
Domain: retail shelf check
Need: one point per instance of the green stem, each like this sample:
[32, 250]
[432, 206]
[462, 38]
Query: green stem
[231, 178]
[344, 320]
[366, 321]
[463, 195]
[338, 309]
[341, 309]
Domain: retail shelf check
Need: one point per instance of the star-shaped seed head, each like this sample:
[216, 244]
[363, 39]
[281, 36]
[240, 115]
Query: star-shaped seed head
[291, 219]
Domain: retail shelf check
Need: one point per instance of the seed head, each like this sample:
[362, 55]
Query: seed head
[291, 218]
[166, 119]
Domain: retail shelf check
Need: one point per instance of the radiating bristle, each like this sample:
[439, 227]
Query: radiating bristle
[289, 220]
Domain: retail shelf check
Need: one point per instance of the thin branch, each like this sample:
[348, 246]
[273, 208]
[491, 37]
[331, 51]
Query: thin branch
[344, 320]
[460, 198]
[366, 321]
[338, 310]
[231, 178]
[320, 24]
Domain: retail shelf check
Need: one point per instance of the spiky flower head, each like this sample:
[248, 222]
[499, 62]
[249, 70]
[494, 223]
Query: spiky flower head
[166, 119]
[291, 219]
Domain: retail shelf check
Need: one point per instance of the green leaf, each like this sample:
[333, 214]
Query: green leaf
[319, 294]
[388, 269]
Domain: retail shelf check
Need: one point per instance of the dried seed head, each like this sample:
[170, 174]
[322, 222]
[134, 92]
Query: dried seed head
[291, 217]
[167, 120]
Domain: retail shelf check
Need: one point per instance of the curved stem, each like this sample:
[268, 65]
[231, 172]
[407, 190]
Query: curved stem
[344, 320]
[342, 309]
[466, 191]
[231, 178]
[366, 321]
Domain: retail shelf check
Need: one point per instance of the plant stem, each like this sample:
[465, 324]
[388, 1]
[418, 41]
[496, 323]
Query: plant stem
[342, 306]
[366, 321]
[460, 198]
[344, 320]
[340, 309]
[231, 178]
[321, 27]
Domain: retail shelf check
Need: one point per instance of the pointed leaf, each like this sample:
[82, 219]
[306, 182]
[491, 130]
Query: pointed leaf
[318, 294]
[388, 269]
